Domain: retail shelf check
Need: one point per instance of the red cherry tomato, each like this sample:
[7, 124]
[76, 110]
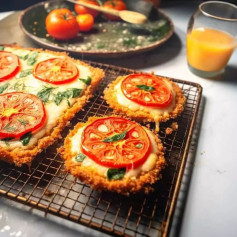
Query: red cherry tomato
[85, 22]
[146, 90]
[56, 71]
[116, 5]
[84, 10]
[61, 24]
[129, 148]
[20, 113]
[9, 65]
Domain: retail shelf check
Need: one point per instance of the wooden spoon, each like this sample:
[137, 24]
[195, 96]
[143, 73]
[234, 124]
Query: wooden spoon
[128, 16]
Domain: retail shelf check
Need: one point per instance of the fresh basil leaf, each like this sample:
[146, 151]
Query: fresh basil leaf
[58, 98]
[145, 87]
[61, 95]
[116, 174]
[69, 93]
[2, 47]
[45, 93]
[75, 92]
[87, 81]
[3, 87]
[80, 157]
[25, 73]
[139, 146]
[32, 58]
[19, 86]
[25, 57]
[25, 139]
[116, 137]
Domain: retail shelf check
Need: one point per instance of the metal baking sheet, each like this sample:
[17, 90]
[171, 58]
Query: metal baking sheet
[47, 187]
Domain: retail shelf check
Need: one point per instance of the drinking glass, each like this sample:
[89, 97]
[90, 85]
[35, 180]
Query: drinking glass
[211, 38]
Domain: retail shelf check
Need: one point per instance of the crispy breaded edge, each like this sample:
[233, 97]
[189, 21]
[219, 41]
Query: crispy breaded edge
[96, 181]
[110, 96]
[20, 156]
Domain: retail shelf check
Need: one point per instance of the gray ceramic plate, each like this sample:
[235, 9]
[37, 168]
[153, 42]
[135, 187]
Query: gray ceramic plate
[106, 39]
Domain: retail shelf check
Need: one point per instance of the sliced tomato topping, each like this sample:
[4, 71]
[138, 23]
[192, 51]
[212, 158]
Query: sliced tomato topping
[20, 113]
[116, 143]
[56, 71]
[146, 90]
[9, 65]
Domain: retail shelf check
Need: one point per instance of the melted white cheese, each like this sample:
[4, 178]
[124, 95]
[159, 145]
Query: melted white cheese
[102, 170]
[33, 86]
[156, 112]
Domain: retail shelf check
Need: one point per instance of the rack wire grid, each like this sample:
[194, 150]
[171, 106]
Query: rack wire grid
[47, 187]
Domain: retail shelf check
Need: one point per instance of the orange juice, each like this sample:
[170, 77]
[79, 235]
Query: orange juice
[208, 49]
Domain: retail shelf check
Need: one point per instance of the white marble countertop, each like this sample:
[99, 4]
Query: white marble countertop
[210, 208]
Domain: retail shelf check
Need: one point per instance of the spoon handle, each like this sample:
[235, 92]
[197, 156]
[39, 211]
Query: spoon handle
[98, 8]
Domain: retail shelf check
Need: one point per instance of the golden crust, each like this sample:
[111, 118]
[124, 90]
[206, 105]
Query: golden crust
[141, 115]
[20, 156]
[93, 178]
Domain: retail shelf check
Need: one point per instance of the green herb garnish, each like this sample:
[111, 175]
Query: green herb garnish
[139, 146]
[69, 93]
[116, 137]
[19, 86]
[9, 128]
[116, 174]
[75, 92]
[87, 81]
[23, 122]
[129, 42]
[3, 87]
[25, 73]
[100, 46]
[2, 47]
[25, 57]
[160, 31]
[31, 60]
[80, 157]
[45, 93]
[60, 96]
[25, 139]
[145, 87]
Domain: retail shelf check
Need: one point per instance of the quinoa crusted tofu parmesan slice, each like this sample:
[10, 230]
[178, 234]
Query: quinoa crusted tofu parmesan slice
[113, 153]
[145, 97]
[40, 91]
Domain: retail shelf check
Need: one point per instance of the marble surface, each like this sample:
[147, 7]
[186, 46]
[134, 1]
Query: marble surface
[208, 196]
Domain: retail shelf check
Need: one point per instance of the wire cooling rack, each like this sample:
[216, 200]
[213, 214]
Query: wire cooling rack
[47, 187]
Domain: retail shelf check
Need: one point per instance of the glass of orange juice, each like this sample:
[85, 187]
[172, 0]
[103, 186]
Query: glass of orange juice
[211, 38]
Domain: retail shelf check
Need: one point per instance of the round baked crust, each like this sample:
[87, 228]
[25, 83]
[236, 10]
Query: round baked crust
[110, 96]
[20, 156]
[96, 181]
